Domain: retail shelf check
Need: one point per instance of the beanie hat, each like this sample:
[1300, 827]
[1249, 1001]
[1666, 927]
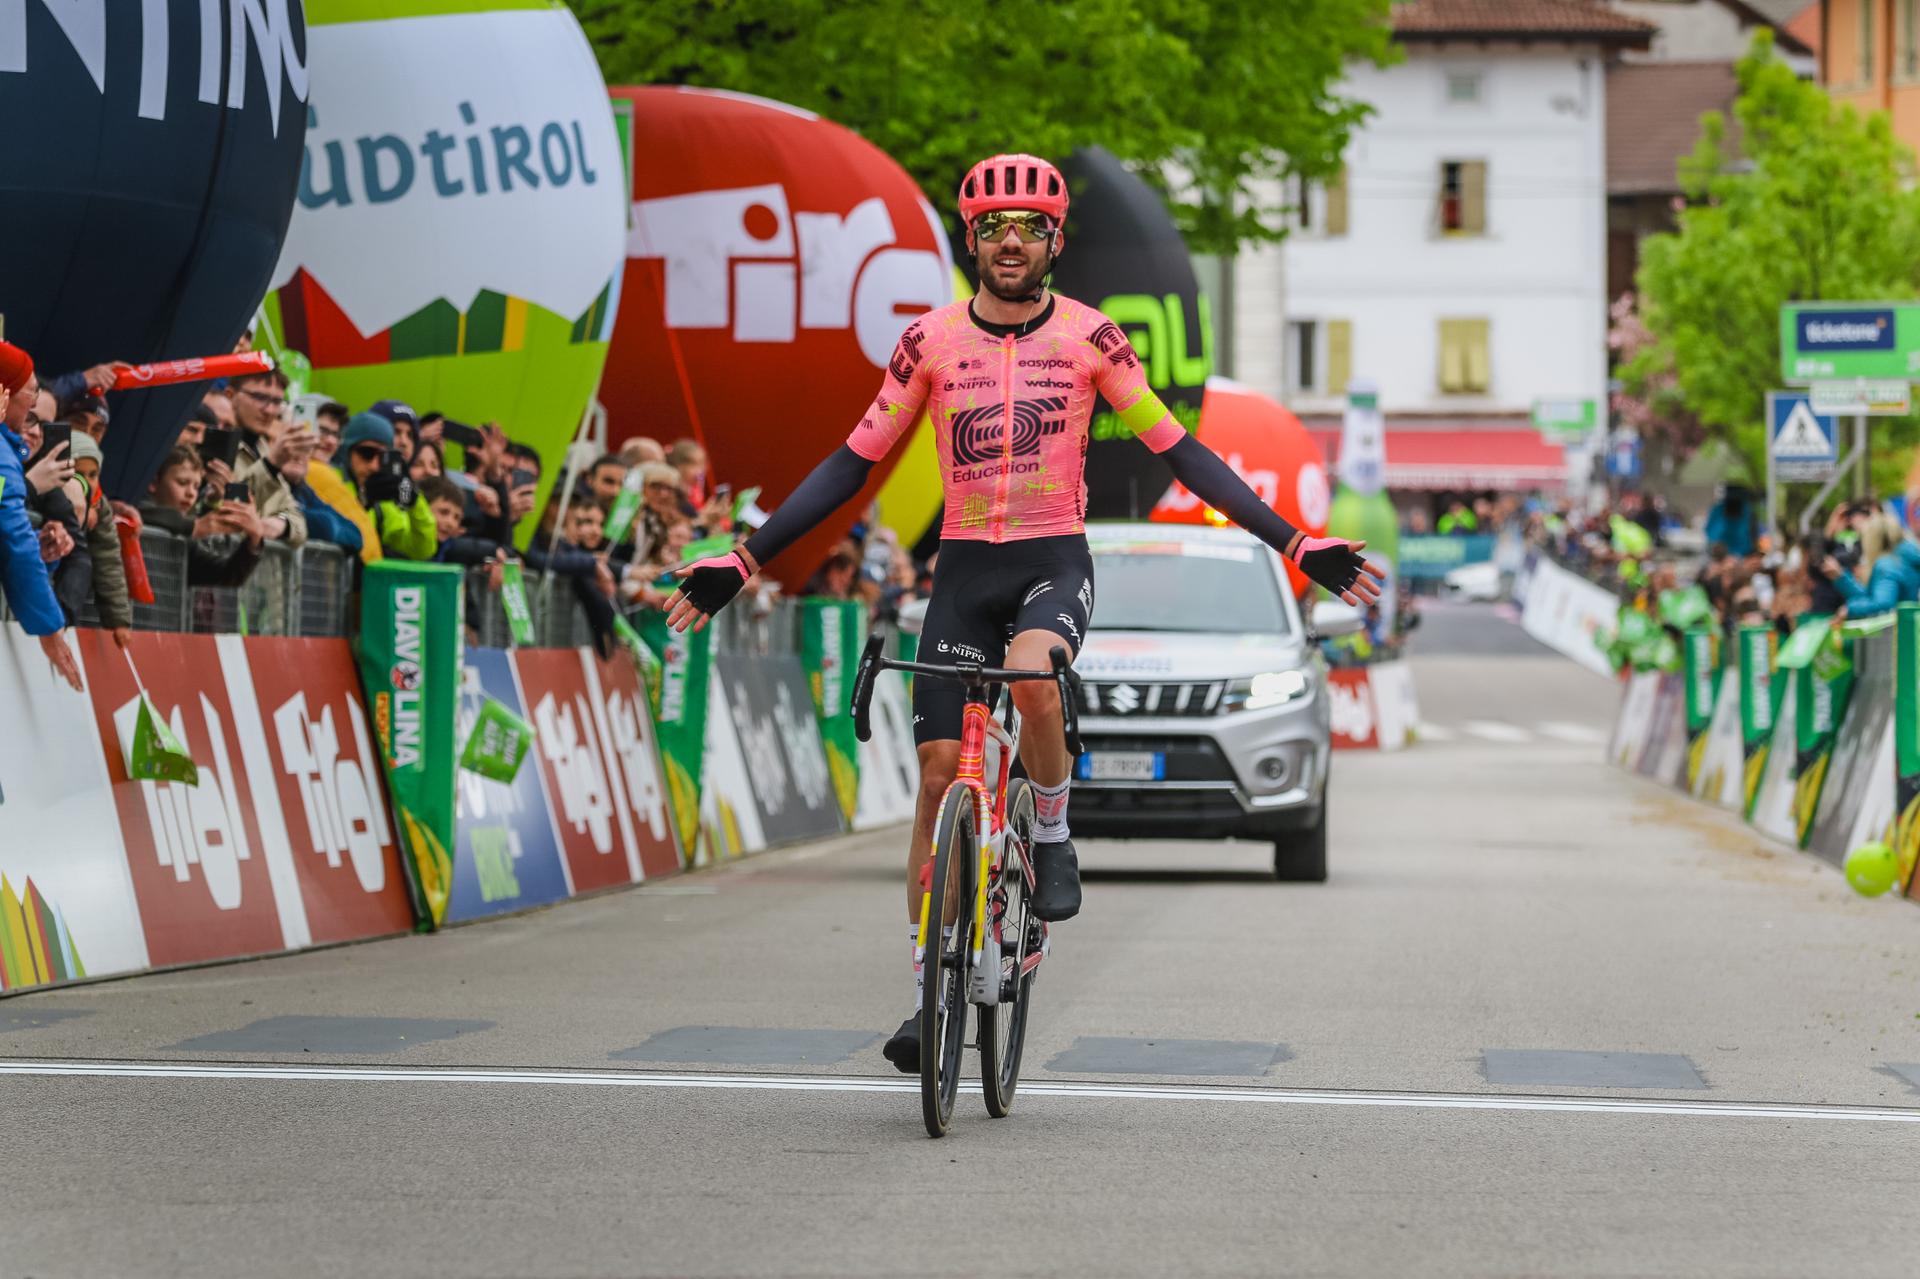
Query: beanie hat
[82, 445]
[16, 366]
[396, 412]
[362, 427]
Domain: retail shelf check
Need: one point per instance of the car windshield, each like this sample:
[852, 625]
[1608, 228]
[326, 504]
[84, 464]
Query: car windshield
[1185, 586]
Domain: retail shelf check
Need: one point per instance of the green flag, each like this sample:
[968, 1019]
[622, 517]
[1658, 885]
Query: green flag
[158, 754]
[626, 504]
[498, 743]
[513, 598]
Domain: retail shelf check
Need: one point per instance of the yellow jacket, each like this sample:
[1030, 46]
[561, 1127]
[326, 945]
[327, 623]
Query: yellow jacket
[337, 493]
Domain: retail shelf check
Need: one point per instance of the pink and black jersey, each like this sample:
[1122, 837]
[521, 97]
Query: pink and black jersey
[1011, 409]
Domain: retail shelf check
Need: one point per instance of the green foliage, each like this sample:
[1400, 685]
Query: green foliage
[1204, 99]
[1804, 200]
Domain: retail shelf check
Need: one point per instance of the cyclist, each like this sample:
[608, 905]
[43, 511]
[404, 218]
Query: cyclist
[1011, 379]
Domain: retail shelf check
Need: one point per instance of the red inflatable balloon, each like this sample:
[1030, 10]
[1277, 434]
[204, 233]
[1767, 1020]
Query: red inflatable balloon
[774, 258]
[1269, 449]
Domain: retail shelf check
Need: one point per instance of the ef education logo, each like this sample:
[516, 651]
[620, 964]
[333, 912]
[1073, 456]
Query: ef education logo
[1846, 330]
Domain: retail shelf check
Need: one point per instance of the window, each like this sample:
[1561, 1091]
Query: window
[1328, 203]
[1906, 49]
[1463, 197]
[1335, 220]
[1465, 367]
[1866, 41]
[1463, 87]
[1299, 203]
[1319, 356]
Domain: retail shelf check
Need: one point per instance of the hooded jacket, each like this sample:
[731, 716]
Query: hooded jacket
[23, 576]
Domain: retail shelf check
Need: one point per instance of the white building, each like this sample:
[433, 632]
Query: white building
[1460, 264]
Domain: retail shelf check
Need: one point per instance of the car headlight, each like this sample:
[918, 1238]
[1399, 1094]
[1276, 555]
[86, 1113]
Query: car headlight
[1257, 692]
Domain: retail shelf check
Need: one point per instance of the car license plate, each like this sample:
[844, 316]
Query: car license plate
[1122, 766]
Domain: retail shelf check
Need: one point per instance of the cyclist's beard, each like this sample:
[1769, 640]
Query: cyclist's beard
[1022, 288]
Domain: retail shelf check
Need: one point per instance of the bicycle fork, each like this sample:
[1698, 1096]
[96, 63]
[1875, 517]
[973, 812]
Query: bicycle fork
[985, 985]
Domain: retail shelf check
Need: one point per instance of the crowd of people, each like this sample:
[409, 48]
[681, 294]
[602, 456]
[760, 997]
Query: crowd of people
[253, 468]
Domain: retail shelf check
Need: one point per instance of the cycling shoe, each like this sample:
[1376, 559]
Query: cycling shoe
[903, 1050]
[1056, 874]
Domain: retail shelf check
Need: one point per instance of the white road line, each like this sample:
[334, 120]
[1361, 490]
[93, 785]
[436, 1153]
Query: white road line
[1028, 1088]
[1578, 734]
[1426, 732]
[1493, 730]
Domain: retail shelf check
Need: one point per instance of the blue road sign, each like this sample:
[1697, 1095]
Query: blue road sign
[1803, 445]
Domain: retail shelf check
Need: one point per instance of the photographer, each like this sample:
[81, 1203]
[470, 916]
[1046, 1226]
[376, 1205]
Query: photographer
[269, 445]
[384, 493]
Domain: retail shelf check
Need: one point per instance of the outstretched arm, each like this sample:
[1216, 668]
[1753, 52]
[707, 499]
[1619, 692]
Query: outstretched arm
[708, 585]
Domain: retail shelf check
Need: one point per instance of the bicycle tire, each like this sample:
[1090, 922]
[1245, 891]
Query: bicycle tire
[943, 1007]
[1003, 1027]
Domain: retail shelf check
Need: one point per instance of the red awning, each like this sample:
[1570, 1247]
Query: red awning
[1460, 456]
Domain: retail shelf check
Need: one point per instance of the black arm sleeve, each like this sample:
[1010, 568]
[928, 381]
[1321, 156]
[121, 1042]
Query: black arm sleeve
[1213, 482]
[827, 488]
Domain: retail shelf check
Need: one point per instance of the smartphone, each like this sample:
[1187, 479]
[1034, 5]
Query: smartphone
[220, 445]
[522, 477]
[723, 493]
[467, 437]
[52, 435]
[236, 491]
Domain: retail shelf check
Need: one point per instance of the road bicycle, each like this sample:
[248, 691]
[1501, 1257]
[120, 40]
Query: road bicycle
[980, 883]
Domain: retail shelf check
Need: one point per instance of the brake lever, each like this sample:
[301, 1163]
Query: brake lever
[1069, 711]
[863, 686]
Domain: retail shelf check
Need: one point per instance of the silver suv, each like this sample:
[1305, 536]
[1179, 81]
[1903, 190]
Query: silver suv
[1204, 702]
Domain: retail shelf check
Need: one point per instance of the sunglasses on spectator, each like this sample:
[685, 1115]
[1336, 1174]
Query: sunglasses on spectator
[1032, 227]
[369, 452]
[261, 397]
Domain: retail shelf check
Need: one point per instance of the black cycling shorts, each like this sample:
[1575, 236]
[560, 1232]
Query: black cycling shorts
[985, 593]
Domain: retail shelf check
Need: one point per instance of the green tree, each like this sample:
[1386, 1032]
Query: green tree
[1798, 200]
[1204, 99]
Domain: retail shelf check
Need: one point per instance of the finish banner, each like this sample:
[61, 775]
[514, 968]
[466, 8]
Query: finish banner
[411, 642]
[680, 719]
[1906, 742]
[830, 642]
[1822, 673]
[1756, 705]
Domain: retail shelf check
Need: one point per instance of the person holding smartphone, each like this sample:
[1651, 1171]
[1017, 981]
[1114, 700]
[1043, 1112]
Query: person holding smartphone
[402, 525]
[269, 446]
[23, 575]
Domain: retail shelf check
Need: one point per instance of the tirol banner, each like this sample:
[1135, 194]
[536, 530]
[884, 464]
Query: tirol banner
[773, 714]
[458, 236]
[830, 642]
[1700, 667]
[505, 854]
[410, 660]
[1906, 742]
[142, 211]
[1822, 674]
[1756, 705]
[680, 719]
[774, 260]
[1125, 257]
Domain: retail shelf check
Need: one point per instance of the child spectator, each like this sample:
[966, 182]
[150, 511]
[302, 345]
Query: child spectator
[226, 538]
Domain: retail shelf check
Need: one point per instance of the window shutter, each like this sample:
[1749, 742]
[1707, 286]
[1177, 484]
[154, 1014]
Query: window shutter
[1478, 358]
[1473, 197]
[1339, 356]
[1453, 371]
[1336, 219]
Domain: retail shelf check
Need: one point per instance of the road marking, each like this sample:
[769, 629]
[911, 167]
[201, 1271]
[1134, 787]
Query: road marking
[1578, 734]
[1426, 732]
[1493, 730]
[1028, 1088]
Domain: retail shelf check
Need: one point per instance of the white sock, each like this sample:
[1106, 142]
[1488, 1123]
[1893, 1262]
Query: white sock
[1050, 812]
[919, 964]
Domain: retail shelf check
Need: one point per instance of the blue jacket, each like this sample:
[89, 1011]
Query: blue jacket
[23, 576]
[324, 524]
[1895, 579]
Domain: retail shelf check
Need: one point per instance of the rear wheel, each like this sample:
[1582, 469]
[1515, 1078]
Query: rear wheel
[1003, 1027]
[943, 1008]
[1300, 856]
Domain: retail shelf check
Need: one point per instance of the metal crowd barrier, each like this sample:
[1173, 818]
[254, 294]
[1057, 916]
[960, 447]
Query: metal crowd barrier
[306, 592]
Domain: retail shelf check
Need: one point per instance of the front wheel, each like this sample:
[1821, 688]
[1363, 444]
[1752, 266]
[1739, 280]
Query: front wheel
[1015, 936]
[1300, 856]
[943, 1005]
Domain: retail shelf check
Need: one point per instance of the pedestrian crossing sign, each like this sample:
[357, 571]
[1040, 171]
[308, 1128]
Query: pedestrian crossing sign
[1801, 443]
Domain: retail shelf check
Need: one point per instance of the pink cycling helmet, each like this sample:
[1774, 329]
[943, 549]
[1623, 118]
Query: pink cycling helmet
[1013, 182]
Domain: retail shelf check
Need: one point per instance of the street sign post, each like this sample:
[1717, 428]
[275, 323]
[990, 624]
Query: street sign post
[1879, 397]
[1827, 341]
[1802, 444]
[1564, 419]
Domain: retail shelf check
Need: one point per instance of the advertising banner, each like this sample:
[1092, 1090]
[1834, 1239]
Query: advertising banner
[1635, 720]
[1756, 706]
[1822, 683]
[830, 640]
[729, 818]
[411, 637]
[1665, 759]
[506, 856]
[1700, 668]
[67, 904]
[889, 762]
[596, 752]
[680, 717]
[1566, 612]
[1355, 726]
[773, 715]
[1874, 821]
[1906, 742]
[1849, 773]
[1773, 800]
[1720, 772]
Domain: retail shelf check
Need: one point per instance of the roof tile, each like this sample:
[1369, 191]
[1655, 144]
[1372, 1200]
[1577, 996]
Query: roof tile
[1516, 19]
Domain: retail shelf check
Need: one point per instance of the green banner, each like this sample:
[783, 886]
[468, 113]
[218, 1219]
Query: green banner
[513, 600]
[1822, 674]
[1756, 704]
[680, 718]
[1906, 742]
[498, 744]
[830, 639]
[626, 504]
[1700, 661]
[411, 650]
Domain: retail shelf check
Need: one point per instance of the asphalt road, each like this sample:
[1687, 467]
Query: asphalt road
[1546, 1019]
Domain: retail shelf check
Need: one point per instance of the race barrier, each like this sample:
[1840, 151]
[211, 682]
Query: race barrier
[1565, 611]
[1372, 707]
[1816, 741]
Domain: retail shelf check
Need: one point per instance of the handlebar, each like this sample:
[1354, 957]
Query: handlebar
[972, 674]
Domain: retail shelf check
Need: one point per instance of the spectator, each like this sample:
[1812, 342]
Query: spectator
[226, 537]
[220, 404]
[575, 555]
[646, 583]
[427, 463]
[268, 446]
[642, 449]
[87, 415]
[449, 506]
[23, 574]
[402, 524]
[400, 415]
[605, 476]
[107, 578]
[1892, 566]
[329, 421]
[661, 507]
[687, 457]
[834, 579]
[1732, 521]
[1458, 521]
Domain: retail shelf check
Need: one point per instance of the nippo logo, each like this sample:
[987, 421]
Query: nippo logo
[744, 259]
[195, 827]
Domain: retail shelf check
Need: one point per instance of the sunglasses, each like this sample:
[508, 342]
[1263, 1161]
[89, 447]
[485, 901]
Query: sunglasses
[369, 452]
[1031, 227]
